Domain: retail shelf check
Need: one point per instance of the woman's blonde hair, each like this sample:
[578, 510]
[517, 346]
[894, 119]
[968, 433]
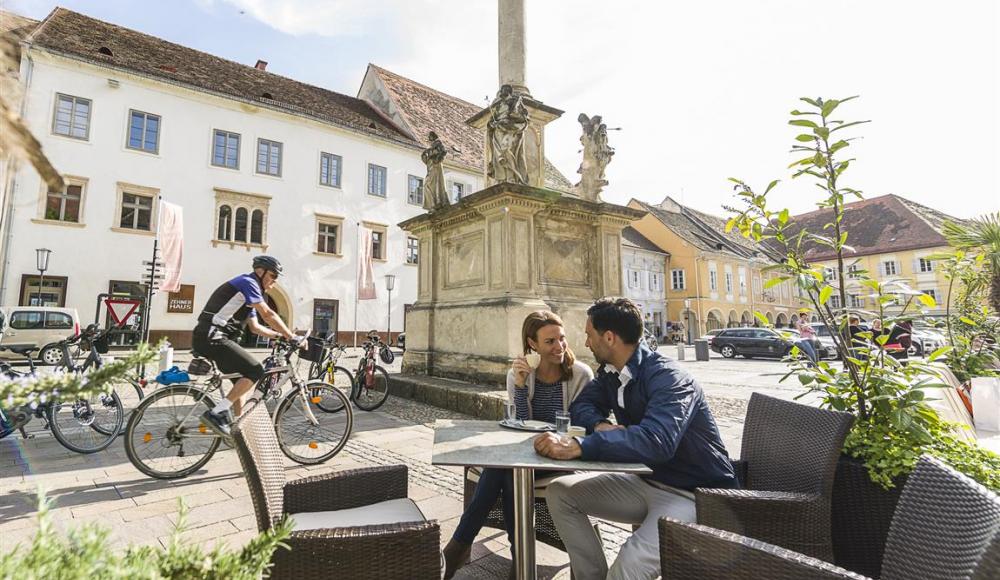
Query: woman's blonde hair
[538, 320]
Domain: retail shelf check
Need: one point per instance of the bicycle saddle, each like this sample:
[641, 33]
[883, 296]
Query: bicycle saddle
[23, 350]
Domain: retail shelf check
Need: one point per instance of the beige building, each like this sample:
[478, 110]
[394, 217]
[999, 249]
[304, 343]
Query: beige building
[714, 279]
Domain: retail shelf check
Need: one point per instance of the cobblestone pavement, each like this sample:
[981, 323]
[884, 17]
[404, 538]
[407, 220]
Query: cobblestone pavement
[104, 488]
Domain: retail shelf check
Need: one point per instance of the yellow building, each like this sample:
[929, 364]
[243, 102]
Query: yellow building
[715, 279]
[892, 238]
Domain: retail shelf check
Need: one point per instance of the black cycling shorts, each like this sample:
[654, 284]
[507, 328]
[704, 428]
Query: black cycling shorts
[229, 356]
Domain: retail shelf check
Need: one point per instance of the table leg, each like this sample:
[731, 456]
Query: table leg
[524, 522]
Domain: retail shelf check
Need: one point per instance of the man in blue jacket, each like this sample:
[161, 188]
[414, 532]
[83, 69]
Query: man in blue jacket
[663, 421]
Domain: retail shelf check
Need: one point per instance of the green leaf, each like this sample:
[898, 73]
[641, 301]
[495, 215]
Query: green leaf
[730, 224]
[803, 123]
[829, 106]
[825, 294]
[939, 352]
[783, 216]
[812, 102]
[773, 282]
[927, 300]
[762, 319]
[845, 125]
[967, 320]
[771, 185]
[822, 132]
[805, 138]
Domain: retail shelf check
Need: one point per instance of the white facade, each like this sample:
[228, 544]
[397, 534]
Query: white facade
[95, 251]
[644, 275]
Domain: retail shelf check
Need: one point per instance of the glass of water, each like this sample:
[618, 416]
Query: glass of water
[562, 423]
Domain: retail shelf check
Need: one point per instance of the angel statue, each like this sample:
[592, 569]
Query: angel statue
[435, 194]
[505, 131]
[596, 156]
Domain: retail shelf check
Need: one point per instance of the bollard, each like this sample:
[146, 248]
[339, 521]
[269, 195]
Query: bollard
[701, 349]
[680, 351]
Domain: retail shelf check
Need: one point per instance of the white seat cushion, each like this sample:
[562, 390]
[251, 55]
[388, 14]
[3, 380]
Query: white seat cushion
[392, 511]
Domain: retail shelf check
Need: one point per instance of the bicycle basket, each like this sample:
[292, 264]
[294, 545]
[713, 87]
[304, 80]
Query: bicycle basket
[386, 354]
[199, 366]
[101, 344]
[313, 352]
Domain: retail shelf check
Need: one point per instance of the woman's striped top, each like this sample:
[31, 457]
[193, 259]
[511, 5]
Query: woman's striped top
[548, 401]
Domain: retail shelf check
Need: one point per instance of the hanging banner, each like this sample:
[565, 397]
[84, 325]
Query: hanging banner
[172, 243]
[366, 273]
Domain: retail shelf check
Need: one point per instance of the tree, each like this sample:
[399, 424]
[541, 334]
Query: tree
[982, 234]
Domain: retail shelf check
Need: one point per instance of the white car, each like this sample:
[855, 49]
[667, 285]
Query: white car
[711, 334]
[37, 326]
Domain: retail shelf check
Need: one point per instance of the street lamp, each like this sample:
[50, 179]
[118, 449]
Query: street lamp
[390, 283]
[42, 263]
[687, 314]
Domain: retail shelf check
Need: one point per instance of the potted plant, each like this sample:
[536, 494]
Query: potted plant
[894, 424]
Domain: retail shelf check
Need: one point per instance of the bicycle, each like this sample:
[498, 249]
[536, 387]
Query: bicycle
[166, 438]
[369, 385]
[83, 426]
[326, 367]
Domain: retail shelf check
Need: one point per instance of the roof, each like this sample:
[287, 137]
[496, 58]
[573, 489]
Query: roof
[704, 231]
[879, 225]
[632, 238]
[19, 26]
[78, 36]
[425, 109]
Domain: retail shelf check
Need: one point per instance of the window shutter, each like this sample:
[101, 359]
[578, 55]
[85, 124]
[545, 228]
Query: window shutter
[881, 269]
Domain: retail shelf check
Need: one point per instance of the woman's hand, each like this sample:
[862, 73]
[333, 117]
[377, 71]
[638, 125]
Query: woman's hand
[521, 371]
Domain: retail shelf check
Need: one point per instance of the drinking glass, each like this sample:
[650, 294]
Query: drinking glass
[562, 423]
[510, 413]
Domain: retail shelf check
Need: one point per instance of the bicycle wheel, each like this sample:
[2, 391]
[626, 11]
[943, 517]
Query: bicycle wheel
[166, 438]
[371, 388]
[343, 380]
[305, 434]
[130, 393]
[86, 425]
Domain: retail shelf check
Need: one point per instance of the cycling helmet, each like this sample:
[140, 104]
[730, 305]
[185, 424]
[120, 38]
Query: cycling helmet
[269, 263]
[386, 354]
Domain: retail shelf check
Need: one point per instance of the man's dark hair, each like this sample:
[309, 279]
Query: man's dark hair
[619, 315]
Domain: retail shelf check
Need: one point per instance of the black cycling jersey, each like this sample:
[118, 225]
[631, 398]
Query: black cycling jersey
[229, 307]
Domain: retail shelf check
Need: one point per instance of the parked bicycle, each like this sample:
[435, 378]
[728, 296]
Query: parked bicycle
[166, 438]
[369, 385]
[83, 425]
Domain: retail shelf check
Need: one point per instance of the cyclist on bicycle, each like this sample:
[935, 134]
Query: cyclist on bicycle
[236, 303]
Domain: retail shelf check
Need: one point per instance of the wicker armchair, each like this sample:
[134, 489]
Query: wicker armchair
[789, 458]
[352, 524]
[945, 526]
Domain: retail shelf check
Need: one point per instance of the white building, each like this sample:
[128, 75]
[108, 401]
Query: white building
[643, 267]
[260, 164]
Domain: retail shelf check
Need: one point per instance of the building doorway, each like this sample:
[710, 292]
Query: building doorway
[325, 319]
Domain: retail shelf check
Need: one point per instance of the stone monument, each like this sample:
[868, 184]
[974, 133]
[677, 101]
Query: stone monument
[435, 193]
[596, 156]
[512, 248]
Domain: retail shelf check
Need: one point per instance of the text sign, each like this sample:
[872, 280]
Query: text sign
[182, 301]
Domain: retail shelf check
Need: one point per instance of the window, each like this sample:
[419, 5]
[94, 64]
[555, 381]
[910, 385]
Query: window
[242, 219]
[855, 301]
[64, 206]
[633, 278]
[926, 265]
[226, 149]
[829, 273]
[329, 169]
[26, 320]
[327, 238]
[257, 227]
[412, 251]
[376, 180]
[325, 317]
[415, 190]
[72, 117]
[58, 320]
[225, 223]
[677, 281]
[52, 293]
[889, 268]
[835, 301]
[931, 292]
[743, 283]
[144, 131]
[729, 282]
[654, 281]
[136, 212]
[713, 280]
[378, 245]
[853, 271]
[457, 190]
[268, 157]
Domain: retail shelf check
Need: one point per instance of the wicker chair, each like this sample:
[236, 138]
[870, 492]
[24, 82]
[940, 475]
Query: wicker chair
[789, 458]
[945, 526]
[352, 524]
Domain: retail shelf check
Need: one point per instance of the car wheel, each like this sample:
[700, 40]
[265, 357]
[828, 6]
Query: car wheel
[51, 355]
[915, 350]
[728, 351]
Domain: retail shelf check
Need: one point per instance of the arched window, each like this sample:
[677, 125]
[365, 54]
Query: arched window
[257, 227]
[240, 235]
[225, 222]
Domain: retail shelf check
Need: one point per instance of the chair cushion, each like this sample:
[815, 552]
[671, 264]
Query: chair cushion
[391, 511]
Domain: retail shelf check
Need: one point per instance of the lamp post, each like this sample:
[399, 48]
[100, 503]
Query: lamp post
[42, 263]
[687, 314]
[390, 283]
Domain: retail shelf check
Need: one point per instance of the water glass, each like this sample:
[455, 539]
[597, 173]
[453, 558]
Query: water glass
[562, 423]
[510, 413]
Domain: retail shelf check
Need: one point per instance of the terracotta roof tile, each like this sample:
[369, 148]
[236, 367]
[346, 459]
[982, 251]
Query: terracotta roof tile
[76, 35]
[19, 26]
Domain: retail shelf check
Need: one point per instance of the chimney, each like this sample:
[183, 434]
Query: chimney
[261, 65]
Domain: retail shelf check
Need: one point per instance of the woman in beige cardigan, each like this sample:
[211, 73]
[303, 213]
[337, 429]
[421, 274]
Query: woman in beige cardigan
[538, 394]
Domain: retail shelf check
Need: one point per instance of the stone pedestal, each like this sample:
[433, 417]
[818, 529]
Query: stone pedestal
[497, 255]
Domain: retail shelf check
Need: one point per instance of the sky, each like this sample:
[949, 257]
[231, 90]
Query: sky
[701, 90]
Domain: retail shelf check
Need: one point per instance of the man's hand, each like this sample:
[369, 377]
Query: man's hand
[554, 447]
[604, 426]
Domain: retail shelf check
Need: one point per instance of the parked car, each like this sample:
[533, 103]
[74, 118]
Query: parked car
[925, 340]
[825, 338]
[711, 334]
[37, 326]
[401, 340]
[752, 342]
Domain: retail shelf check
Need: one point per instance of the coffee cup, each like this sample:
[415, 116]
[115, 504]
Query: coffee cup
[534, 359]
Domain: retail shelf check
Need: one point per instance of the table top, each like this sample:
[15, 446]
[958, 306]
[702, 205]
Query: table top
[487, 444]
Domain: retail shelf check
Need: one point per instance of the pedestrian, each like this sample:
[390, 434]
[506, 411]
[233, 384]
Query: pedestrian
[806, 336]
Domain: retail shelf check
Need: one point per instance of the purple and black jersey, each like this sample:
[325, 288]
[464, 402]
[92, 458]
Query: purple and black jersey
[232, 303]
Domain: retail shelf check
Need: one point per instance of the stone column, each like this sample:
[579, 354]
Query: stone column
[513, 53]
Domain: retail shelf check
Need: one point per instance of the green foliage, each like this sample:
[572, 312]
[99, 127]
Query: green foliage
[85, 554]
[972, 330]
[894, 424]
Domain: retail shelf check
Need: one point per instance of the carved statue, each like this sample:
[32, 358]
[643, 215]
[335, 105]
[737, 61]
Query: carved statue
[505, 132]
[596, 156]
[435, 193]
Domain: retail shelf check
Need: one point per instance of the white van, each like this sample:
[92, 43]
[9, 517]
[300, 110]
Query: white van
[37, 326]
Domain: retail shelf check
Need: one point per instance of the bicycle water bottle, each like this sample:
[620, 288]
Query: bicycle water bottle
[166, 356]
